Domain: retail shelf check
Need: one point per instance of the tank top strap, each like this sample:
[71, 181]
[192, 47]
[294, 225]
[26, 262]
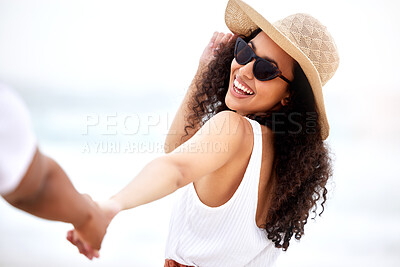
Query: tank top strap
[257, 133]
[254, 167]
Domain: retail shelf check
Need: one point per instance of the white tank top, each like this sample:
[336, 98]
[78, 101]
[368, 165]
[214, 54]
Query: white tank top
[227, 235]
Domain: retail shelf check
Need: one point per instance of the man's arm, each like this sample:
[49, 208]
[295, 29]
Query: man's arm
[46, 191]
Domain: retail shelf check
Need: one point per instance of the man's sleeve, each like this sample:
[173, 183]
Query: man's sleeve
[17, 140]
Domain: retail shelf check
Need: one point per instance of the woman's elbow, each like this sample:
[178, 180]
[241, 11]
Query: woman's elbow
[176, 170]
[167, 148]
[169, 145]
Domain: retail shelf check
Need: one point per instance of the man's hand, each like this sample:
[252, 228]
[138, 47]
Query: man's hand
[88, 236]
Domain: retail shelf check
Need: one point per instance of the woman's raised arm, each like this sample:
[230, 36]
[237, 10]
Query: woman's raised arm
[176, 134]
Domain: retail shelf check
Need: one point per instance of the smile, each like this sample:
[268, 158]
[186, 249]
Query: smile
[241, 89]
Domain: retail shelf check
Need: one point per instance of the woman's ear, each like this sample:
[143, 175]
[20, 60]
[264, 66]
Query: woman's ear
[285, 101]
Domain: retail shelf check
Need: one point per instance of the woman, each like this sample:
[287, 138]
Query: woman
[248, 143]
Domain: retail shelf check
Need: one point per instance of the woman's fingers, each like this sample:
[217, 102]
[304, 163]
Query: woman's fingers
[232, 37]
[218, 39]
[88, 251]
[69, 236]
[213, 38]
[221, 40]
[227, 37]
[83, 247]
[96, 253]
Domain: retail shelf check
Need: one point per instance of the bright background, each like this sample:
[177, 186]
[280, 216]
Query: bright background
[77, 61]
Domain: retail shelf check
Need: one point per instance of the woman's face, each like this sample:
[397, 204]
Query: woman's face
[266, 95]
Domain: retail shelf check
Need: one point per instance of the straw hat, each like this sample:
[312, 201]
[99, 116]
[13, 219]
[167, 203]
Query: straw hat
[301, 36]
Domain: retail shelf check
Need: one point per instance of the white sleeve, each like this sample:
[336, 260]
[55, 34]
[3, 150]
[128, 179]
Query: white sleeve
[17, 140]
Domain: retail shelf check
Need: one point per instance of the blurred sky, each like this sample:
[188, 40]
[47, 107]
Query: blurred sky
[92, 48]
[113, 45]
[70, 59]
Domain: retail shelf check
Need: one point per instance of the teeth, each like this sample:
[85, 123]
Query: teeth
[241, 87]
[239, 92]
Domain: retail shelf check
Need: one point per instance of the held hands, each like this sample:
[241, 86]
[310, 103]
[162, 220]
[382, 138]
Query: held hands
[88, 236]
[218, 40]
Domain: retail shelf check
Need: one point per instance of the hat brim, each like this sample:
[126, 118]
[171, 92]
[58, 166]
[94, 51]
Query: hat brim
[237, 16]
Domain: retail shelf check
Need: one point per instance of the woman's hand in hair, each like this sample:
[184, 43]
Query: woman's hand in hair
[218, 40]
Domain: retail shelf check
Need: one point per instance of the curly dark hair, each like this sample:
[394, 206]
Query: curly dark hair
[302, 164]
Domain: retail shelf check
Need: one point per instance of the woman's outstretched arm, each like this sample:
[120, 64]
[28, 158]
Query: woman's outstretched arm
[176, 134]
[217, 142]
[223, 137]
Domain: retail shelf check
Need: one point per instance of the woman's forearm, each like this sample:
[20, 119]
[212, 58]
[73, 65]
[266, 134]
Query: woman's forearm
[177, 135]
[157, 179]
[176, 131]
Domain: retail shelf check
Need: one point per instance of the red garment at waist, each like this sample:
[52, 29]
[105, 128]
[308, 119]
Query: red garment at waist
[172, 263]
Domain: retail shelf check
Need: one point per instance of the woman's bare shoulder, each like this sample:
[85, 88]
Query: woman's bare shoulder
[222, 139]
[229, 123]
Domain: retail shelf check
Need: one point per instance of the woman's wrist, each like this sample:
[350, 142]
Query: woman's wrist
[202, 67]
[111, 207]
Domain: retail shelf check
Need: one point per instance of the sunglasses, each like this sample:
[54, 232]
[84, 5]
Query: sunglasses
[263, 69]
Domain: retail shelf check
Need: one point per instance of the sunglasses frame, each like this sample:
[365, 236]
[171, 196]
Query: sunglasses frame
[258, 59]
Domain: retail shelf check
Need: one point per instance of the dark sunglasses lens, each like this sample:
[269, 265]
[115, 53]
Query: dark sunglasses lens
[243, 53]
[264, 70]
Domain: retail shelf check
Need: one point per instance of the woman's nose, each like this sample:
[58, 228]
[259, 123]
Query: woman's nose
[247, 70]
